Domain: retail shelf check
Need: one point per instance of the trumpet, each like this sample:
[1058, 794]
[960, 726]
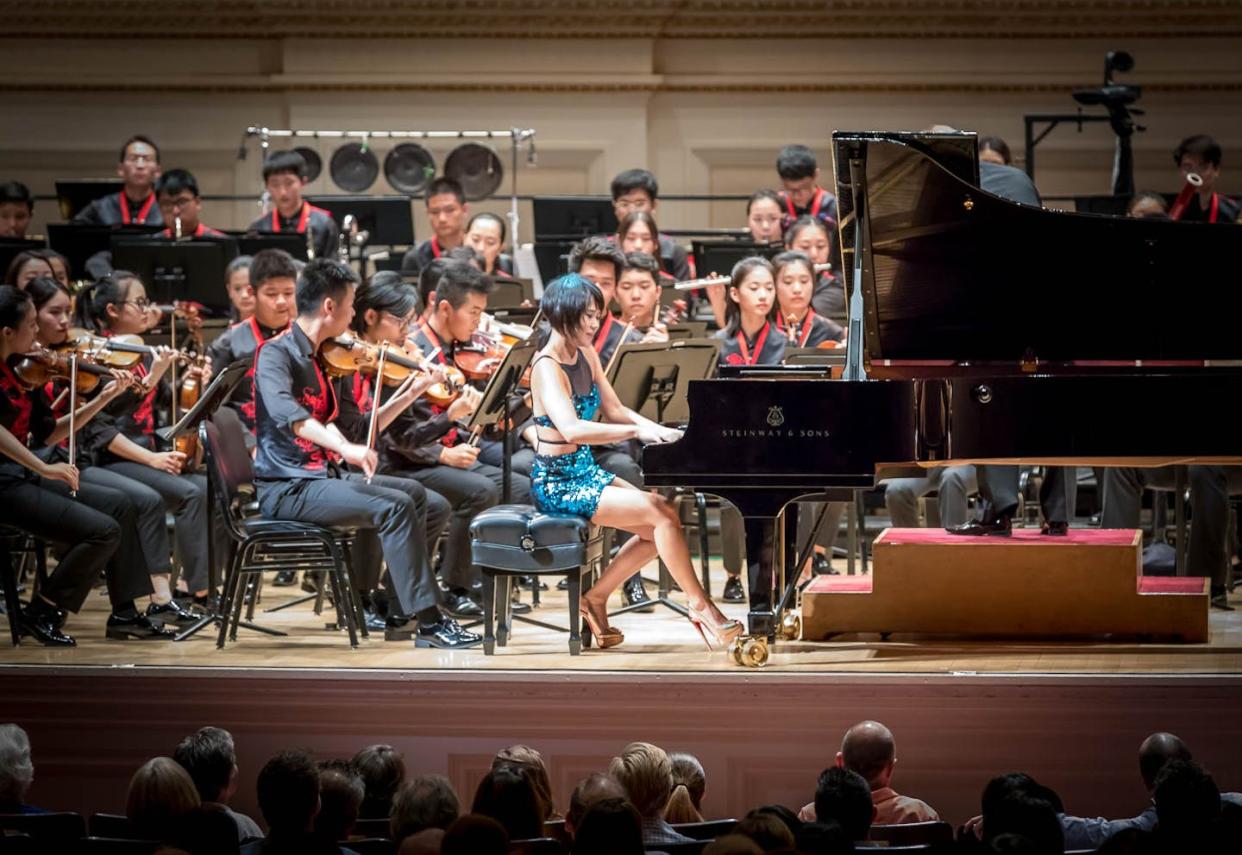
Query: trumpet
[707, 281]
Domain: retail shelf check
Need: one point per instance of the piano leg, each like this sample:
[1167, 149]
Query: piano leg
[759, 554]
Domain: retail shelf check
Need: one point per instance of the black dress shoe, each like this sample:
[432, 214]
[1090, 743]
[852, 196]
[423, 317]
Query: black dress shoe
[1220, 599]
[517, 607]
[733, 592]
[43, 629]
[208, 603]
[461, 605]
[635, 594]
[1054, 528]
[137, 626]
[286, 579]
[562, 585]
[821, 566]
[374, 622]
[310, 584]
[994, 527]
[527, 581]
[445, 634]
[171, 612]
[398, 628]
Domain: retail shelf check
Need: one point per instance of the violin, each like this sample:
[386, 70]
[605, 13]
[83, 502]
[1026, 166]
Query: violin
[42, 366]
[492, 342]
[118, 351]
[343, 356]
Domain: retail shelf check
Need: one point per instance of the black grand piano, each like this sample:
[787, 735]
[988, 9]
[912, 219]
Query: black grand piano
[981, 331]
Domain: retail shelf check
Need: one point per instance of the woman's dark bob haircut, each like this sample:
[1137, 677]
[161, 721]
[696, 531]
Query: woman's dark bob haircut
[566, 300]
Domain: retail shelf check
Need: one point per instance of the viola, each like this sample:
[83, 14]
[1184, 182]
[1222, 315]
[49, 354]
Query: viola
[42, 366]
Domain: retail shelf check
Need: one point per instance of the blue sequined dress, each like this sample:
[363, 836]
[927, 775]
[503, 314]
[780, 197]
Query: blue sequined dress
[570, 483]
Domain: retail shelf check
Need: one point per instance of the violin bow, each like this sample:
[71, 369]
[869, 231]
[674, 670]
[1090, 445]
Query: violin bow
[375, 399]
[73, 414]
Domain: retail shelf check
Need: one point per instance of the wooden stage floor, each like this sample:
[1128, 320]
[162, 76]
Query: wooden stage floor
[662, 641]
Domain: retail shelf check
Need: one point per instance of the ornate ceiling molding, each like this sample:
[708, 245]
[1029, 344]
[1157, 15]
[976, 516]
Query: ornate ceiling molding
[643, 19]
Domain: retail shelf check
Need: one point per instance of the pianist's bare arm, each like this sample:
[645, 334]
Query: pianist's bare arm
[612, 410]
[552, 388]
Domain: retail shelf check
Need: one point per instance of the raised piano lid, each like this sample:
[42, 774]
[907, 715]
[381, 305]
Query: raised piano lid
[953, 274]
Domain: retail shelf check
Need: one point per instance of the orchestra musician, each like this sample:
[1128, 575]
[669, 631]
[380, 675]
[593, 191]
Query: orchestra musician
[176, 193]
[802, 196]
[122, 441]
[284, 176]
[93, 525]
[138, 168]
[638, 233]
[16, 209]
[385, 309]
[1200, 155]
[638, 295]
[637, 190]
[241, 294]
[765, 216]
[446, 214]
[795, 317]
[568, 389]
[26, 265]
[813, 237]
[485, 234]
[425, 445]
[299, 445]
[601, 261]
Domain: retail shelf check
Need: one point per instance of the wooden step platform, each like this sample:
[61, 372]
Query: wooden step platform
[929, 582]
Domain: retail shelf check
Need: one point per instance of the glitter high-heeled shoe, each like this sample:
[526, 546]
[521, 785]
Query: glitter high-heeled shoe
[724, 633]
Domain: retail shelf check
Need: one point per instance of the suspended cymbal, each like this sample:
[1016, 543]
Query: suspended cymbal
[354, 167]
[409, 168]
[477, 168]
[314, 164]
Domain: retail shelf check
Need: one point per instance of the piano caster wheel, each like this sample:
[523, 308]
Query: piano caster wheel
[791, 626]
[750, 652]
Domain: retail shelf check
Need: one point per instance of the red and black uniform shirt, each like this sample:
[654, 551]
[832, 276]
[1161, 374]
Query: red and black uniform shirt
[24, 413]
[828, 298]
[823, 206]
[413, 262]
[239, 342]
[608, 337]
[1221, 209]
[324, 232]
[766, 348]
[117, 210]
[290, 386]
[200, 232]
[415, 437]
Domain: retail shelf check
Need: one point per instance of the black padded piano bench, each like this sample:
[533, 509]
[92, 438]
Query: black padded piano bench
[516, 540]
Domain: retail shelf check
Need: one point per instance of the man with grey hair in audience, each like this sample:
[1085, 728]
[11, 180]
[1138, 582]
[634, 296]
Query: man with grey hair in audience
[591, 789]
[870, 750]
[16, 770]
[211, 759]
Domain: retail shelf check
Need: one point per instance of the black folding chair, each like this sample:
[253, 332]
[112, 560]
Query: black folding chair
[111, 825]
[49, 830]
[708, 830]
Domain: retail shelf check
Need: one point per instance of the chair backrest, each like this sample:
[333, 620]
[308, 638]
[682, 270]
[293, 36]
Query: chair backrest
[228, 466]
[45, 826]
[537, 846]
[375, 827]
[912, 833]
[708, 830]
[881, 849]
[114, 846]
[17, 844]
[694, 847]
[111, 825]
[556, 828]
[371, 846]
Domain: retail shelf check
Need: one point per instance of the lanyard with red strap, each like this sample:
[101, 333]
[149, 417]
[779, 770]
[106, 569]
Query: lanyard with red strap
[601, 337]
[816, 202]
[1183, 200]
[142, 212]
[435, 247]
[804, 330]
[759, 342]
[303, 218]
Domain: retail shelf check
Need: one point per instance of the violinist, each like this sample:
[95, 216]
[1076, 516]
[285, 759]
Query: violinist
[26, 265]
[384, 311]
[273, 279]
[424, 444]
[176, 192]
[138, 167]
[124, 441]
[299, 446]
[39, 493]
[795, 319]
[813, 238]
[601, 261]
[485, 234]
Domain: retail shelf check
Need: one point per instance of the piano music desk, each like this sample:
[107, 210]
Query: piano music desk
[930, 582]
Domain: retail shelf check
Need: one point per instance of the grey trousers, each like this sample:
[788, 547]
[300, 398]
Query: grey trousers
[953, 484]
[350, 501]
[1210, 489]
[998, 491]
[431, 510]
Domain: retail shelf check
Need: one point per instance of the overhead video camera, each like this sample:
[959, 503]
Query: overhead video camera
[1115, 97]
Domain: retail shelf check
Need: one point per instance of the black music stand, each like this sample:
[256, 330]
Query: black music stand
[510, 293]
[250, 243]
[719, 256]
[388, 220]
[178, 270]
[195, 420]
[653, 380]
[73, 196]
[10, 247]
[79, 243]
[496, 404]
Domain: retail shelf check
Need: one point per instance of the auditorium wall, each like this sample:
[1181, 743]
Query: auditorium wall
[706, 115]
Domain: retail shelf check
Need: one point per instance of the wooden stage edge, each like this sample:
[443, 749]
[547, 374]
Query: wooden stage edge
[763, 736]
